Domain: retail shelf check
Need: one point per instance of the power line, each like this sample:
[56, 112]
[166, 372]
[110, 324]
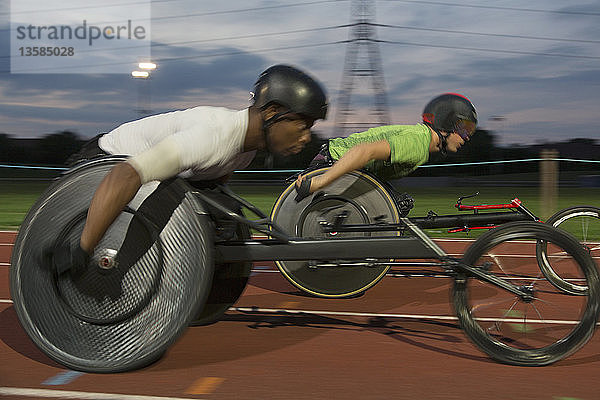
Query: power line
[404, 43]
[161, 60]
[487, 34]
[72, 8]
[88, 7]
[439, 3]
[253, 51]
[435, 3]
[161, 1]
[222, 39]
[381, 41]
[530, 53]
[312, 3]
[316, 29]
[258, 35]
[203, 14]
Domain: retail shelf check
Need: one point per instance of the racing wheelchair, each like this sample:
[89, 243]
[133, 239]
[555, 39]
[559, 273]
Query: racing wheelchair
[360, 204]
[159, 268]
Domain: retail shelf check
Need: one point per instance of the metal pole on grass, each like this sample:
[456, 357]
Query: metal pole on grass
[548, 182]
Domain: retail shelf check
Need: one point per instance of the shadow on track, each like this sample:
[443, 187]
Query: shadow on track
[13, 335]
[242, 335]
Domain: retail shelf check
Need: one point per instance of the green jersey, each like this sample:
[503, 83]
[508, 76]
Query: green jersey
[409, 145]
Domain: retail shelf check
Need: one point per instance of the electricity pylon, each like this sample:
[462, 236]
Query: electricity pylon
[362, 64]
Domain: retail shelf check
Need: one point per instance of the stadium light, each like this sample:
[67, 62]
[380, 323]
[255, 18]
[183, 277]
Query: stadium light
[147, 65]
[140, 74]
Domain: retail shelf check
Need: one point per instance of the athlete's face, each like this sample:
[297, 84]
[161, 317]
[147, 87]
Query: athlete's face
[454, 142]
[290, 134]
[463, 131]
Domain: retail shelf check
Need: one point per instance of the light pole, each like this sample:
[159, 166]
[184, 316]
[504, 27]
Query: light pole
[144, 101]
[497, 122]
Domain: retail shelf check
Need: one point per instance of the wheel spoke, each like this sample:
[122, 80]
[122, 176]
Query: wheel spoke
[498, 323]
[537, 311]
[498, 263]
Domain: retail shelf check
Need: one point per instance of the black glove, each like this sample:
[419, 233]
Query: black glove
[405, 203]
[65, 258]
[303, 191]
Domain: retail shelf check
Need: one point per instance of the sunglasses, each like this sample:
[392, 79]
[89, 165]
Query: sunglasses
[465, 128]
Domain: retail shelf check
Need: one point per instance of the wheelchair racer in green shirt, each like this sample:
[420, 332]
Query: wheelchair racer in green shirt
[394, 151]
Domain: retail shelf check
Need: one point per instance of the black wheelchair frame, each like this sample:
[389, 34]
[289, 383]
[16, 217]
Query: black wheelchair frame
[168, 285]
[284, 247]
[420, 246]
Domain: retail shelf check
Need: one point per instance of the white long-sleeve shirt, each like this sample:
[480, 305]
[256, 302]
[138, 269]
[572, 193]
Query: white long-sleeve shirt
[199, 143]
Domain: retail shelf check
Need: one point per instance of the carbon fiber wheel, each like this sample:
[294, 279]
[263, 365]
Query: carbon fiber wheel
[362, 199]
[228, 284]
[148, 277]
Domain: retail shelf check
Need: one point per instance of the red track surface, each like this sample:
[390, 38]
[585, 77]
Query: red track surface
[264, 355]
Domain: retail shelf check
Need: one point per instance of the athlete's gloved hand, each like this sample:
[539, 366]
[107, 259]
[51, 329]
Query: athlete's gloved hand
[302, 189]
[66, 258]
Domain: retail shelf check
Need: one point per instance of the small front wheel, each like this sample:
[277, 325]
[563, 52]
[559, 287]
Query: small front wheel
[583, 222]
[541, 327]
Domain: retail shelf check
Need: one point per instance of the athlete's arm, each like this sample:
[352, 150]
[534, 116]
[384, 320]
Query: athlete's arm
[121, 184]
[115, 191]
[355, 158]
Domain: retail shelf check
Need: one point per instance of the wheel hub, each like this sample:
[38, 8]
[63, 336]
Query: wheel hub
[528, 293]
[107, 260]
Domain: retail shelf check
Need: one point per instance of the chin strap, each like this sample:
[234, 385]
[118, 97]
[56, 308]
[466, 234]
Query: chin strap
[443, 143]
[267, 124]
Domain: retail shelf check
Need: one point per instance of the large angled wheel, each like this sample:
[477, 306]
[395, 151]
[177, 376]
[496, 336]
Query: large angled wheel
[533, 330]
[148, 277]
[228, 284]
[360, 199]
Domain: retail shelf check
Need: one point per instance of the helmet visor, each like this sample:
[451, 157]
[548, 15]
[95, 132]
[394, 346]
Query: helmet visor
[465, 128]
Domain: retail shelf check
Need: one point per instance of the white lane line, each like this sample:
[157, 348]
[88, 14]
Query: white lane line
[406, 316]
[340, 313]
[66, 394]
[387, 315]
[6, 301]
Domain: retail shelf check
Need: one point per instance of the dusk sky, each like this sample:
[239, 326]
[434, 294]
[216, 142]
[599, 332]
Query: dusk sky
[534, 64]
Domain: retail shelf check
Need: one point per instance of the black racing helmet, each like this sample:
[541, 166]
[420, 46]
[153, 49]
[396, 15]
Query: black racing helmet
[449, 111]
[293, 89]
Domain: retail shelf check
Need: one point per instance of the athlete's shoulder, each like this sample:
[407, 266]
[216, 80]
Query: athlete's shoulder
[399, 130]
[210, 110]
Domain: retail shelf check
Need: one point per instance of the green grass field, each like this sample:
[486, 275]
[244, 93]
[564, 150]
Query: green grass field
[17, 197]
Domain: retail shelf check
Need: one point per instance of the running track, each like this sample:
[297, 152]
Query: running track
[398, 341]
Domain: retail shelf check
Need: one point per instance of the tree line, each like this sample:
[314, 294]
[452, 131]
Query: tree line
[55, 149]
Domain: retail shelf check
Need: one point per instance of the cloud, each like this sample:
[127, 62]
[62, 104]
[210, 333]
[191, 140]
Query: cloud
[223, 73]
[540, 96]
[93, 103]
